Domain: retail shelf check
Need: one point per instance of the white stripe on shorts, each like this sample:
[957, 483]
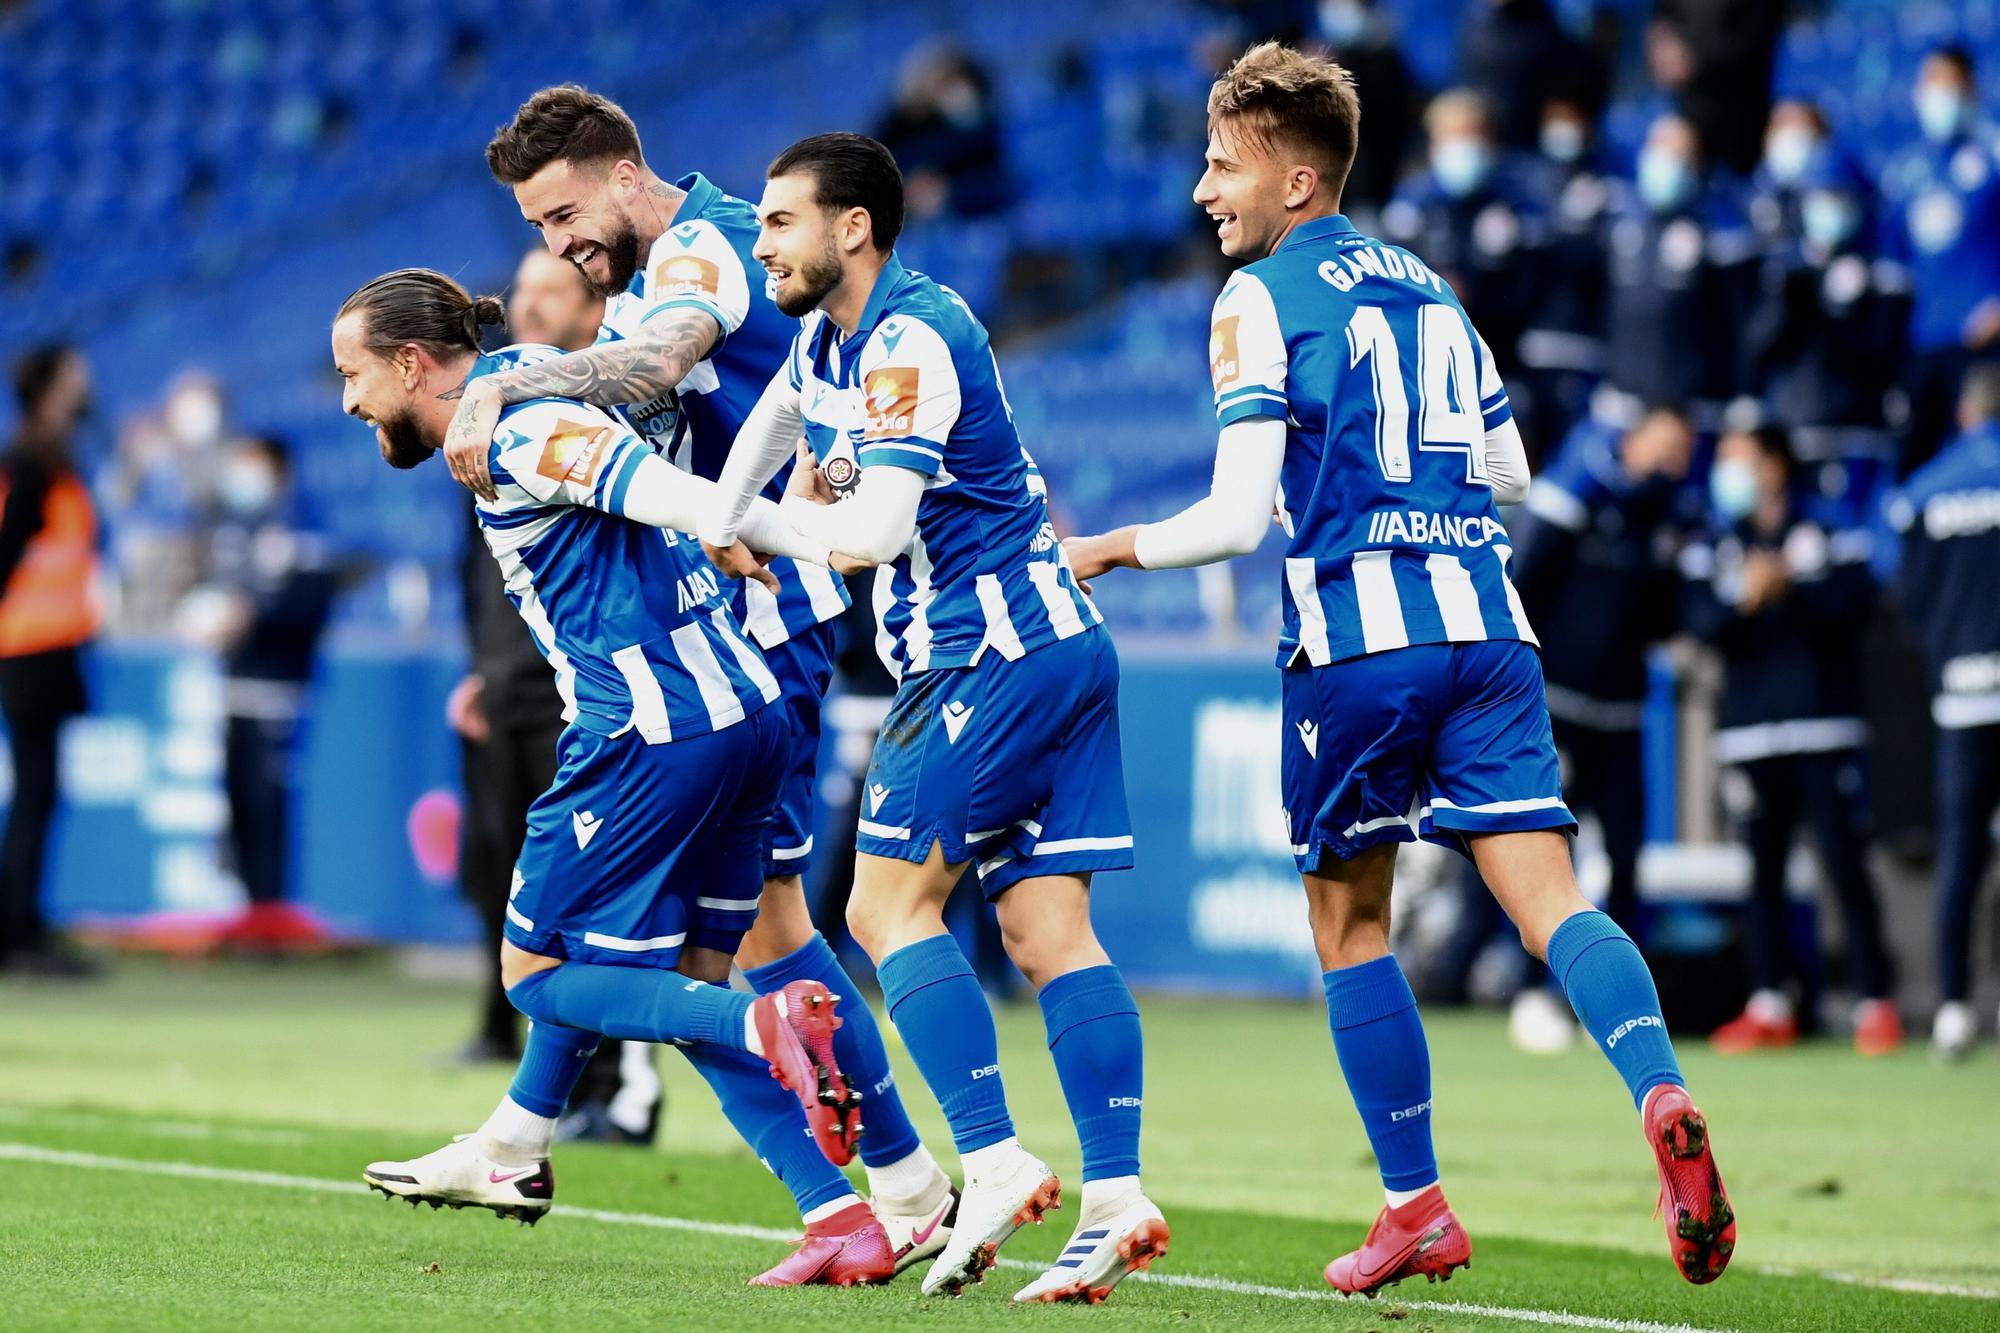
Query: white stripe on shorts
[597, 941]
[1061, 845]
[875, 830]
[792, 853]
[520, 920]
[727, 904]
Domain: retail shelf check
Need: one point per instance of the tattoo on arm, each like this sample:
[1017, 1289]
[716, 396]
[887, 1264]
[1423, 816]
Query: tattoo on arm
[453, 394]
[633, 370]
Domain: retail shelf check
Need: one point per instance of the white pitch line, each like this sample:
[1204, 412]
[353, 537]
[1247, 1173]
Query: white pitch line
[28, 1152]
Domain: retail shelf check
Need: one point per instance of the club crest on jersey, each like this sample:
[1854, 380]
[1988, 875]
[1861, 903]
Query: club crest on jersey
[685, 275]
[891, 393]
[574, 452]
[841, 473]
[1224, 365]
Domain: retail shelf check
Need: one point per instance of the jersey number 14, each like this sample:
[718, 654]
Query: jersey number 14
[1448, 418]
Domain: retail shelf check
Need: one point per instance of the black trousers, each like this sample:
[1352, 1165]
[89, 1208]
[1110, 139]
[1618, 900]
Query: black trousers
[1828, 794]
[38, 693]
[1606, 776]
[259, 763]
[1968, 788]
[1932, 382]
[503, 776]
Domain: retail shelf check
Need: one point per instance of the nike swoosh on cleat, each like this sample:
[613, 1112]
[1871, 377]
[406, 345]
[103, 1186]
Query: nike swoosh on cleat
[920, 1237]
[496, 1178]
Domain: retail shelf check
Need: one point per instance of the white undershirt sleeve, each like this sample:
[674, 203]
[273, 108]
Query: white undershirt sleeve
[660, 495]
[874, 524]
[770, 436]
[1231, 519]
[1507, 463]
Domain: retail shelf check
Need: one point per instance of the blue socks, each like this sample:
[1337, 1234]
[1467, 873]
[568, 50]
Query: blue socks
[940, 1012]
[769, 1120]
[1380, 1042]
[1099, 1050]
[857, 1045]
[1611, 989]
[550, 1066]
[633, 1004]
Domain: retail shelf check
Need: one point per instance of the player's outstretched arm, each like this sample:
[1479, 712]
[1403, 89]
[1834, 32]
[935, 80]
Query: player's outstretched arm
[762, 445]
[1227, 522]
[630, 370]
[660, 495]
[873, 525]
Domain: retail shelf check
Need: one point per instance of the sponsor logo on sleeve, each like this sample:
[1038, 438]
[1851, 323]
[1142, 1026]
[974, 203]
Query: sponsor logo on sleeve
[891, 392]
[574, 452]
[1224, 365]
[685, 275]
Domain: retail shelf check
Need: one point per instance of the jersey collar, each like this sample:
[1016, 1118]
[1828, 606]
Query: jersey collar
[701, 196]
[1318, 228]
[886, 282]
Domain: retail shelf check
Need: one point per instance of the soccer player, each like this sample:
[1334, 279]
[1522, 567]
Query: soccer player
[641, 863]
[1349, 384]
[1001, 746]
[689, 340]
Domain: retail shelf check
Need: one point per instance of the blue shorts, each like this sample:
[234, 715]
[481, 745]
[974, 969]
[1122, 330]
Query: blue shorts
[803, 665]
[1436, 740]
[638, 850]
[1015, 765]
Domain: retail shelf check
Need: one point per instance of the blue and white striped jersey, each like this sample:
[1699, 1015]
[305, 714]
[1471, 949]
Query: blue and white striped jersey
[1388, 394]
[631, 617]
[703, 262]
[916, 387]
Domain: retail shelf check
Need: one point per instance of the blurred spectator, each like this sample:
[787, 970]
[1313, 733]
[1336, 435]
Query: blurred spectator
[1517, 55]
[1363, 40]
[1720, 76]
[506, 710]
[945, 132]
[271, 588]
[1827, 342]
[1561, 351]
[1682, 278]
[1949, 519]
[1793, 143]
[48, 613]
[1784, 599]
[157, 495]
[1473, 216]
[1943, 197]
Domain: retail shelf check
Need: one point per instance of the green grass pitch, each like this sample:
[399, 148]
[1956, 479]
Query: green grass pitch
[181, 1149]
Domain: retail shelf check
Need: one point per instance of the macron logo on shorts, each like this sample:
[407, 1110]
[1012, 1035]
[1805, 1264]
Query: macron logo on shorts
[956, 715]
[585, 825]
[1310, 735]
[876, 795]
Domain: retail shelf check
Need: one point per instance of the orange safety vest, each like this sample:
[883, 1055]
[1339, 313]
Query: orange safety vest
[51, 601]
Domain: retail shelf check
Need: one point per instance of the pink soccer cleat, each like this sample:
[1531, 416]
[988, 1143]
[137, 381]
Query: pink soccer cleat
[796, 1026]
[1422, 1236]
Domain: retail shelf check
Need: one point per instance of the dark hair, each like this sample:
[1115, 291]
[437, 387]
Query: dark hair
[1775, 443]
[422, 306]
[1283, 99]
[566, 123]
[35, 373]
[850, 171]
[273, 447]
[1958, 54]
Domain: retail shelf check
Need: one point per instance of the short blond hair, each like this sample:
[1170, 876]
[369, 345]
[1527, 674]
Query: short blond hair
[1286, 100]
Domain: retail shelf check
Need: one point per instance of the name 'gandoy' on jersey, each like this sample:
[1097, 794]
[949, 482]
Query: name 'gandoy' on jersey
[916, 386]
[1388, 394]
[632, 618]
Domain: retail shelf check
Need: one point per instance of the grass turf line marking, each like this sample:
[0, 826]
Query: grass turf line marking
[1560, 1318]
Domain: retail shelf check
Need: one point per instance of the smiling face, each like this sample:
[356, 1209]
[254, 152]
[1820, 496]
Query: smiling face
[1249, 191]
[382, 391]
[585, 216]
[797, 244]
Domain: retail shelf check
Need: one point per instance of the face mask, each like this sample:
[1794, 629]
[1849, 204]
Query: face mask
[1828, 219]
[1788, 152]
[1665, 180]
[195, 417]
[1342, 20]
[1460, 165]
[246, 487]
[1732, 486]
[1562, 140]
[1940, 112]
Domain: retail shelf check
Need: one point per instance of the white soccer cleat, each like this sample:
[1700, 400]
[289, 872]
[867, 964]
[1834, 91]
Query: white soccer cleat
[922, 1232]
[1953, 1030]
[992, 1207]
[459, 1175]
[1103, 1252]
[1539, 1023]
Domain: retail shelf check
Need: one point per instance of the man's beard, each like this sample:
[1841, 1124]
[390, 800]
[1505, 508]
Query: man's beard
[812, 282]
[621, 251]
[403, 443]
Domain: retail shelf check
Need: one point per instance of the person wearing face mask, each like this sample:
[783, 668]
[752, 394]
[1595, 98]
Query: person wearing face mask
[1474, 216]
[1828, 339]
[1562, 349]
[1942, 200]
[1364, 40]
[1795, 137]
[1784, 599]
[48, 615]
[945, 130]
[1682, 278]
[270, 591]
